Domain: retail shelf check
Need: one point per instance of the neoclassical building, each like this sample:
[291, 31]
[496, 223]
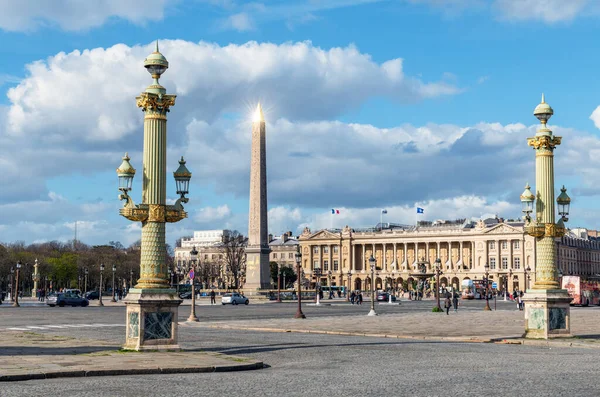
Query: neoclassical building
[463, 246]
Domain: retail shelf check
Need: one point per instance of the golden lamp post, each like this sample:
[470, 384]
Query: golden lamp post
[152, 305]
[547, 312]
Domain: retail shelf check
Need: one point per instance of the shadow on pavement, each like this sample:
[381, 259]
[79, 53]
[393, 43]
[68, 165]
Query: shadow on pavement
[43, 351]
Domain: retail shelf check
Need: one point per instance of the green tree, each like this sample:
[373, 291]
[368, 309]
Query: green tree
[64, 269]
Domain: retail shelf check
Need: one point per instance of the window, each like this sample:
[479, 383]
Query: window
[492, 245]
[504, 263]
[492, 263]
[205, 256]
[517, 244]
[315, 250]
[220, 256]
[336, 249]
[517, 263]
[325, 250]
[504, 244]
[325, 265]
[316, 265]
[274, 255]
[213, 256]
[335, 266]
[291, 255]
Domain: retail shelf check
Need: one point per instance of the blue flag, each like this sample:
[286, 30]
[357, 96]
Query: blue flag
[420, 210]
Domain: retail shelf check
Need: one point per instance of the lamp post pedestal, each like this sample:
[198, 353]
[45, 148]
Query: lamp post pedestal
[547, 314]
[151, 319]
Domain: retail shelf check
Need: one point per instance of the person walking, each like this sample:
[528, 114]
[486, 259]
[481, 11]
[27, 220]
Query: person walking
[360, 298]
[213, 301]
[447, 305]
[352, 297]
[455, 301]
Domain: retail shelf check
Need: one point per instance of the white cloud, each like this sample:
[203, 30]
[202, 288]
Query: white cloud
[212, 214]
[460, 207]
[548, 11]
[79, 108]
[74, 15]
[242, 22]
[283, 219]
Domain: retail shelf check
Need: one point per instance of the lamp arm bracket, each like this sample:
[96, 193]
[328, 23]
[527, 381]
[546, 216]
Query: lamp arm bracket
[128, 200]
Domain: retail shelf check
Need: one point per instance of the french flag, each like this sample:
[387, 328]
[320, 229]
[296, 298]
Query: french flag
[335, 212]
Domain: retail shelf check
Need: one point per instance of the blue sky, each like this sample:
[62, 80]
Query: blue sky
[369, 105]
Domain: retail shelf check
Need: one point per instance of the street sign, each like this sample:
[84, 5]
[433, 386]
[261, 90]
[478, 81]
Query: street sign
[192, 273]
[495, 285]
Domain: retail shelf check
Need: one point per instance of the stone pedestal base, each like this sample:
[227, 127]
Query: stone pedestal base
[151, 319]
[547, 314]
[258, 273]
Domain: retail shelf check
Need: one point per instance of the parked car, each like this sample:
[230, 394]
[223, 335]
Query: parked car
[385, 297]
[63, 299]
[234, 299]
[91, 295]
[185, 295]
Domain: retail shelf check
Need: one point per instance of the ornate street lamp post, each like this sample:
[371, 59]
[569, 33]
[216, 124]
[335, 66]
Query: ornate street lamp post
[194, 258]
[486, 282]
[12, 284]
[547, 311]
[438, 271]
[152, 307]
[114, 293]
[85, 276]
[299, 313]
[349, 286]
[36, 279]
[100, 286]
[318, 286]
[16, 303]
[130, 280]
[527, 277]
[372, 263]
[278, 283]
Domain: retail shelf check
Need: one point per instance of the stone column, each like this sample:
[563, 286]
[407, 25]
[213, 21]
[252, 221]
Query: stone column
[384, 259]
[364, 259]
[395, 262]
[353, 264]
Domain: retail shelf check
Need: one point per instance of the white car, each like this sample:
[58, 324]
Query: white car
[234, 299]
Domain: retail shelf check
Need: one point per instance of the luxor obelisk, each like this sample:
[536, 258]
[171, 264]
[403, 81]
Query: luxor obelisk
[257, 252]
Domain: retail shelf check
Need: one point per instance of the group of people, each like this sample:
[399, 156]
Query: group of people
[517, 296]
[356, 297]
[451, 301]
[41, 294]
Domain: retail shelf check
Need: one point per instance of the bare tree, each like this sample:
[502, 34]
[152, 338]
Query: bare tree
[234, 249]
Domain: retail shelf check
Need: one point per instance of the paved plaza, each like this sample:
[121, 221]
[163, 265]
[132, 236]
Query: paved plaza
[405, 350]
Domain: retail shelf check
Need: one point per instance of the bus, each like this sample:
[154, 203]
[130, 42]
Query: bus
[583, 292]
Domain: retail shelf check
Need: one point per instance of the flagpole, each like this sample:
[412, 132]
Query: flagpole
[381, 219]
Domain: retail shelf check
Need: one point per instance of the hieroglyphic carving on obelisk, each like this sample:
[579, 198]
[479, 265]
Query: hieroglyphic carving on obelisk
[257, 252]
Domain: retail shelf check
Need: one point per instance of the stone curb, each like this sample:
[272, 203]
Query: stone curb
[130, 371]
[578, 343]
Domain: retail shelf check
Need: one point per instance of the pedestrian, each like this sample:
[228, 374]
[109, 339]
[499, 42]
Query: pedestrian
[518, 300]
[360, 298]
[521, 303]
[213, 300]
[455, 302]
[352, 297]
[447, 305]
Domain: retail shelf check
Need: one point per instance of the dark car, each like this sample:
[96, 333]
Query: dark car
[185, 295]
[63, 299]
[91, 295]
[385, 297]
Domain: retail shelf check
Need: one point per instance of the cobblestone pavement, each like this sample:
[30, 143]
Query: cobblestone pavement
[30, 355]
[463, 325]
